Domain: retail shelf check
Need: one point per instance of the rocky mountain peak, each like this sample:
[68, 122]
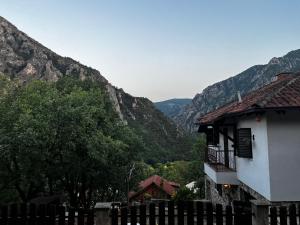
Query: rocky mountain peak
[218, 94]
[26, 59]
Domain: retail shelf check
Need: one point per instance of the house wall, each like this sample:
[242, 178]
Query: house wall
[284, 155]
[255, 172]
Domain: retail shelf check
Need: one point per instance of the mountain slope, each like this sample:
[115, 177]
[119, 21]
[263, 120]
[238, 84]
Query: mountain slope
[23, 58]
[173, 106]
[225, 91]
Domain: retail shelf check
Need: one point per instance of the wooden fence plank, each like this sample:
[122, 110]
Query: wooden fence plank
[90, 217]
[23, 214]
[238, 218]
[124, 216]
[13, 220]
[41, 215]
[114, 216]
[228, 215]
[190, 213]
[80, 218]
[133, 219]
[152, 214]
[199, 212]
[292, 214]
[143, 216]
[32, 214]
[283, 215]
[209, 214]
[161, 213]
[61, 215]
[4, 215]
[180, 213]
[219, 214]
[71, 216]
[52, 215]
[171, 213]
[273, 216]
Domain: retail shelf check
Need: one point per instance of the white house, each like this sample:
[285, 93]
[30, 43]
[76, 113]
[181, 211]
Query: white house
[253, 145]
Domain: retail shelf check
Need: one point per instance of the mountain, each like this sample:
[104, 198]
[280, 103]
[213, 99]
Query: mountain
[173, 106]
[225, 91]
[25, 59]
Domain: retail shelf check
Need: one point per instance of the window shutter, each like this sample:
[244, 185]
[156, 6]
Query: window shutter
[244, 149]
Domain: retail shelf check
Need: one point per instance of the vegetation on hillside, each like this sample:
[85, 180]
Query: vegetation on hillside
[65, 138]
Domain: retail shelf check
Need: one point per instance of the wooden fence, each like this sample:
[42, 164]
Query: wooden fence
[284, 215]
[44, 215]
[190, 213]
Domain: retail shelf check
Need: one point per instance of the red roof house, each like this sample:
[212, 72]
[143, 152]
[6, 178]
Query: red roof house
[253, 145]
[154, 187]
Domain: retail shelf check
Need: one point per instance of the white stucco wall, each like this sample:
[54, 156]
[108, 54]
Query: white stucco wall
[284, 155]
[255, 172]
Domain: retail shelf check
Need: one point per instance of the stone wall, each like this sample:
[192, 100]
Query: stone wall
[222, 196]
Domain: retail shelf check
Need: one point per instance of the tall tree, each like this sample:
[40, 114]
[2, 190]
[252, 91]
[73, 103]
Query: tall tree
[64, 137]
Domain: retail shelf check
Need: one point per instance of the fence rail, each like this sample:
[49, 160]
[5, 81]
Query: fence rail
[190, 213]
[44, 215]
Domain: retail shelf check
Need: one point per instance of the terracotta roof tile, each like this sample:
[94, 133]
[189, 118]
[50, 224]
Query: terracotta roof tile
[167, 186]
[281, 93]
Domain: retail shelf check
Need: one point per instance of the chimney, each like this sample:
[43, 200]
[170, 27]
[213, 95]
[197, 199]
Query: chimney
[239, 96]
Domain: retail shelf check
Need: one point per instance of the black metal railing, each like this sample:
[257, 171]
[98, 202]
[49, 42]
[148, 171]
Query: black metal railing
[221, 160]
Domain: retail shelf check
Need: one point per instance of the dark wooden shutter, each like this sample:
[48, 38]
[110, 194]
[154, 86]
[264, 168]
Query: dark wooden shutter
[244, 149]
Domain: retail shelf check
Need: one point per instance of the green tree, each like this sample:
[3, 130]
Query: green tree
[64, 137]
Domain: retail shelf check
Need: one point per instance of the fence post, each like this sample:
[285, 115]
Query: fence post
[102, 211]
[260, 212]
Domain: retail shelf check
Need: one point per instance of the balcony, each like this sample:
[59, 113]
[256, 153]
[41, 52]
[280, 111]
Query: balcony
[220, 165]
[221, 160]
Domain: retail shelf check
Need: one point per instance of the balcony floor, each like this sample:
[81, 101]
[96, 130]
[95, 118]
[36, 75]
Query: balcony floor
[220, 174]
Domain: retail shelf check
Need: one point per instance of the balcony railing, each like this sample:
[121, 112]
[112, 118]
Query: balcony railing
[221, 160]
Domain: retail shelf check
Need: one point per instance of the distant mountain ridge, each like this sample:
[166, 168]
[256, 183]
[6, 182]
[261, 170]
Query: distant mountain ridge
[23, 58]
[173, 106]
[218, 94]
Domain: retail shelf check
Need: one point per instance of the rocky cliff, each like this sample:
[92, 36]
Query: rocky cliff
[173, 106]
[225, 91]
[25, 59]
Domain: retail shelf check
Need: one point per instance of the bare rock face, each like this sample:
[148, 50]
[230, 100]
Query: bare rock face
[24, 58]
[225, 91]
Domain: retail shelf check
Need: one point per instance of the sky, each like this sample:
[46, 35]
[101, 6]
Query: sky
[161, 49]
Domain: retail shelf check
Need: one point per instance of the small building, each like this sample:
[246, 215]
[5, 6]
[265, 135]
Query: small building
[253, 145]
[154, 187]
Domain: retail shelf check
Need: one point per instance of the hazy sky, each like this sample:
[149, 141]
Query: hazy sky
[161, 49]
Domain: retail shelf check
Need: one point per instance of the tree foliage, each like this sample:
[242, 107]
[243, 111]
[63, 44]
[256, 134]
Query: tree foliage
[63, 137]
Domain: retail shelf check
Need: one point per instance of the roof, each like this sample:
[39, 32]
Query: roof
[283, 92]
[168, 187]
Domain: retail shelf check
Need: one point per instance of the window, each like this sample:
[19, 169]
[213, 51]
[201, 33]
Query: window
[244, 145]
[212, 136]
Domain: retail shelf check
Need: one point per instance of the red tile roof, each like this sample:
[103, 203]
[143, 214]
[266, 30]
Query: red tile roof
[284, 92]
[167, 186]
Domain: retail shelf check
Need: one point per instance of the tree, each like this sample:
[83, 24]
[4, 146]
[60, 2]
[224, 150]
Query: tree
[64, 137]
